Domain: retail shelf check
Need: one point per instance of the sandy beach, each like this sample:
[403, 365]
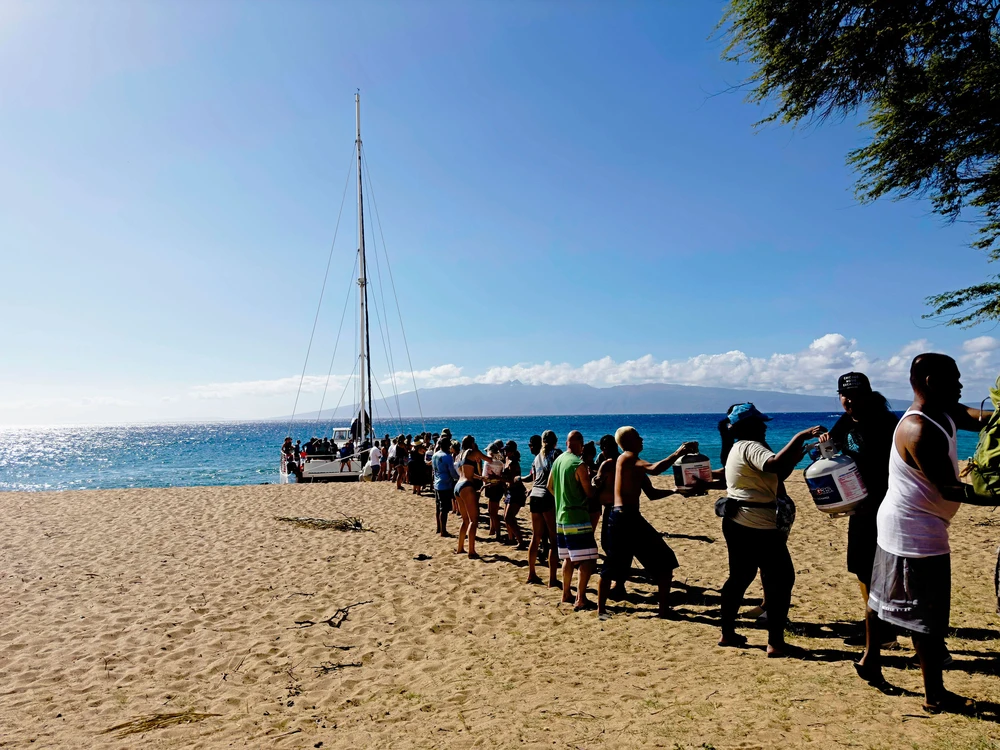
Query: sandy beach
[121, 605]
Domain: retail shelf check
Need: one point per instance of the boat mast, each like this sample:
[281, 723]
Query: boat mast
[363, 372]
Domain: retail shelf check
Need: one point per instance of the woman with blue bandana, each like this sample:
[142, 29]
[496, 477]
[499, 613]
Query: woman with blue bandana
[752, 527]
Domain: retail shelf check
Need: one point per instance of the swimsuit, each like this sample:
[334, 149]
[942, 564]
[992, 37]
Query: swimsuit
[476, 484]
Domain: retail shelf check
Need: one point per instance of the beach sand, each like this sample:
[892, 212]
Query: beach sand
[120, 604]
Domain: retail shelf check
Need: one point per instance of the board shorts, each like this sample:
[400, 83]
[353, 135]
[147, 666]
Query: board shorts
[544, 504]
[913, 593]
[576, 542]
[628, 535]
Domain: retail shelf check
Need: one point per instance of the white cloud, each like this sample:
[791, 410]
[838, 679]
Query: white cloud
[812, 370]
[980, 359]
[981, 344]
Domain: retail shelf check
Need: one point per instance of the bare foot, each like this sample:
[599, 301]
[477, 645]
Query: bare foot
[782, 650]
[950, 703]
[582, 605]
[473, 555]
[733, 640]
[533, 579]
[554, 584]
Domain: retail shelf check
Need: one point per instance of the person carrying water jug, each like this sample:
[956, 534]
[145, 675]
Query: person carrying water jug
[864, 433]
[911, 577]
[755, 524]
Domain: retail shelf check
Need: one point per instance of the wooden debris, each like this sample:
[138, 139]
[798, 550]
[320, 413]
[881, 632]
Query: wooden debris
[328, 666]
[157, 721]
[347, 523]
[335, 620]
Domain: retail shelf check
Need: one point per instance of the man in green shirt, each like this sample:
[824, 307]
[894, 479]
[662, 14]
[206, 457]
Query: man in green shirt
[569, 483]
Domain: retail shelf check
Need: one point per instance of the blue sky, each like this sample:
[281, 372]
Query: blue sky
[558, 184]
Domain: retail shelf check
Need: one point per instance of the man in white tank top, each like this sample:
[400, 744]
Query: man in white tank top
[911, 579]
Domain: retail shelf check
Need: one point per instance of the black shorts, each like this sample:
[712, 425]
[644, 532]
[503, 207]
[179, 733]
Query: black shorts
[443, 499]
[516, 495]
[862, 539]
[628, 535]
[913, 593]
[495, 492]
[544, 504]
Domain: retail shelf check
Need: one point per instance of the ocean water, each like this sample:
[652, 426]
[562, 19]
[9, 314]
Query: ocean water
[233, 453]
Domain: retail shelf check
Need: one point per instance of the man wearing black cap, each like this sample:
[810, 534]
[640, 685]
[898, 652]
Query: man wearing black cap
[864, 433]
[911, 577]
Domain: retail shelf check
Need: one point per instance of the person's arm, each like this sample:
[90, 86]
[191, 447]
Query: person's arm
[661, 466]
[549, 485]
[837, 433]
[452, 471]
[927, 447]
[600, 478]
[969, 418]
[655, 493]
[583, 477]
[783, 462]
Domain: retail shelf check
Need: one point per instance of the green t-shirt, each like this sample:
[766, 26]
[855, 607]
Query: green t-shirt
[571, 501]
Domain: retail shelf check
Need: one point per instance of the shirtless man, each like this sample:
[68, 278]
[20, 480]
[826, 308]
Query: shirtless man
[911, 578]
[628, 532]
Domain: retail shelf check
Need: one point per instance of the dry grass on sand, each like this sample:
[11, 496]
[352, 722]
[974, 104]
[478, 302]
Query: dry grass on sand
[193, 618]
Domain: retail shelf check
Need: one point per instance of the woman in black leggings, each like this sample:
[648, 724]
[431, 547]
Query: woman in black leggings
[751, 524]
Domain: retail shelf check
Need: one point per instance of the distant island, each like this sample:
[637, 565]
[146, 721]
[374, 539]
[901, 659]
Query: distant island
[514, 399]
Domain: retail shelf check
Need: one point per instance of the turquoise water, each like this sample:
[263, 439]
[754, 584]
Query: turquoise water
[171, 455]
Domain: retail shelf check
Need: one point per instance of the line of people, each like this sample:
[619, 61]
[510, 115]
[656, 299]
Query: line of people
[897, 542]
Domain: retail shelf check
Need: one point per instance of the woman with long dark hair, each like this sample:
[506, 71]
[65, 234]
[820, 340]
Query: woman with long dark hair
[752, 526]
[864, 433]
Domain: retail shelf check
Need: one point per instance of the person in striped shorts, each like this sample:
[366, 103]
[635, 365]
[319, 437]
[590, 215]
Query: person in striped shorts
[569, 483]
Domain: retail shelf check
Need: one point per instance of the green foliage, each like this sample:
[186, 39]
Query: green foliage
[927, 76]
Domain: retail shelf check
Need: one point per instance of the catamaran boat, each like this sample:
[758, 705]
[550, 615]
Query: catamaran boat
[318, 468]
[312, 468]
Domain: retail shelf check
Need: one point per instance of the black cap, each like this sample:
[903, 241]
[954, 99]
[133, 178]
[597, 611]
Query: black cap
[854, 381]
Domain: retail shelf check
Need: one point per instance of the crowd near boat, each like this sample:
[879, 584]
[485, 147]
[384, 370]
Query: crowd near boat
[897, 478]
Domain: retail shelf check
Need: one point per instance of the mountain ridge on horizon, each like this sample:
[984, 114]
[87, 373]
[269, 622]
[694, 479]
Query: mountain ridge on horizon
[515, 399]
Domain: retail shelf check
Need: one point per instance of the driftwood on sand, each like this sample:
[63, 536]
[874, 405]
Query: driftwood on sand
[157, 721]
[347, 523]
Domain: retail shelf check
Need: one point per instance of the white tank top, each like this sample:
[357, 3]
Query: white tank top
[913, 519]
